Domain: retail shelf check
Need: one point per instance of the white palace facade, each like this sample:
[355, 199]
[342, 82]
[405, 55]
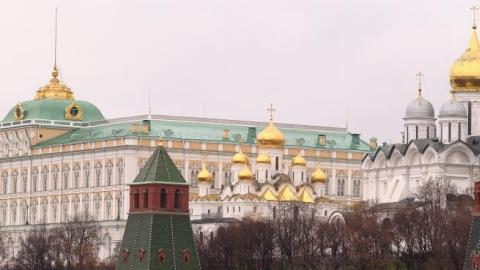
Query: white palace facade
[60, 158]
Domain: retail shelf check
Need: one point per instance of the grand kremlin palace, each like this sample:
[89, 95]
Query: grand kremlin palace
[60, 158]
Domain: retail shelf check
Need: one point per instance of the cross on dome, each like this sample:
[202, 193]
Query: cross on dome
[271, 110]
[419, 76]
[474, 10]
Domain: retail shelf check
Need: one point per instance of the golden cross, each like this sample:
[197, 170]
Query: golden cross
[474, 10]
[419, 75]
[271, 110]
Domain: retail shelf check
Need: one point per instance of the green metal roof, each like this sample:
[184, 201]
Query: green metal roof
[153, 233]
[159, 169]
[206, 131]
[54, 109]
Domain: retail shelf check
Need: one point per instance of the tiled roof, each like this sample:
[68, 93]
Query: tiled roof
[300, 136]
[152, 233]
[159, 169]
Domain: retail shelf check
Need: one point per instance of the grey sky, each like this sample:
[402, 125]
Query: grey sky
[311, 59]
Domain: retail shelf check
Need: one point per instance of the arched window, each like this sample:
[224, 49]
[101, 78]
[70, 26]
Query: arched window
[177, 202]
[449, 131]
[145, 199]
[276, 163]
[274, 212]
[86, 175]
[163, 198]
[14, 182]
[136, 200]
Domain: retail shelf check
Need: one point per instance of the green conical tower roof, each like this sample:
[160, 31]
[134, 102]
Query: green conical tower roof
[159, 169]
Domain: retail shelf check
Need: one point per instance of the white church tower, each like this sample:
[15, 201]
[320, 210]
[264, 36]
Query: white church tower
[452, 121]
[419, 121]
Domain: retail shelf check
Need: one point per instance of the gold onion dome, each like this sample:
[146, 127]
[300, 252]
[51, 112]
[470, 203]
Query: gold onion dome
[204, 175]
[270, 137]
[54, 89]
[465, 72]
[318, 176]
[240, 158]
[263, 159]
[298, 161]
[245, 174]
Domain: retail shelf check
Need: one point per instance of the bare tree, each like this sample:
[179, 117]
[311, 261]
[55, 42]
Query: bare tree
[36, 250]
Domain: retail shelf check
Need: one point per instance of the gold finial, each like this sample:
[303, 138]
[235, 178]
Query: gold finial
[271, 110]
[160, 143]
[420, 75]
[474, 11]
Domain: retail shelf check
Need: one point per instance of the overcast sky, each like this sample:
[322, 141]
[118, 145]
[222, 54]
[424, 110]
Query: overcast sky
[230, 59]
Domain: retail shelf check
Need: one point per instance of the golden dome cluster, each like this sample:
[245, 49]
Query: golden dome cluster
[299, 161]
[318, 176]
[204, 175]
[465, 72]
[54, 89]
[263, 158]
[240, 158]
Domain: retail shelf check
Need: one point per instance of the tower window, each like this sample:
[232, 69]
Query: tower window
[136, 200]
[469, 118]
[416, 132]
[449, 132]
[145, 199]
[276, 163]
[177, 202]
[163, 198]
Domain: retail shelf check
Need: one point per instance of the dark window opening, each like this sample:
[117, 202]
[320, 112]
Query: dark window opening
[416, 132]
[163, 198]
[428, 132]
[276, 163]
[449, 132]
[459, 132]
[136, 201]
[145, 199]
[177, 199]
[469, 118]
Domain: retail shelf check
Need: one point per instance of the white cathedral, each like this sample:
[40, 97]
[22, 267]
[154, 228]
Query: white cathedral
[447, 149]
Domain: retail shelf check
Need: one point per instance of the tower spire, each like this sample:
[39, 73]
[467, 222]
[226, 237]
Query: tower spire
[474, 10]
[419, 76]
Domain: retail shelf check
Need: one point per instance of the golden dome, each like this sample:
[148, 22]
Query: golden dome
[240, 158]
[270, 137]
[204, 175]
[263, 159]
[298, 161]
[465, 72]
[55, 89]
[318, 176]
[245, 174]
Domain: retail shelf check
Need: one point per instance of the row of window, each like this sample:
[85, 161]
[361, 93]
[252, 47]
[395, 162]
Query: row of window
[70, 179]
[60, 212]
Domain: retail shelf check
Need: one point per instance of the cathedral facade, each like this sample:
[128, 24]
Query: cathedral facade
[60, 158]
[434, 147]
